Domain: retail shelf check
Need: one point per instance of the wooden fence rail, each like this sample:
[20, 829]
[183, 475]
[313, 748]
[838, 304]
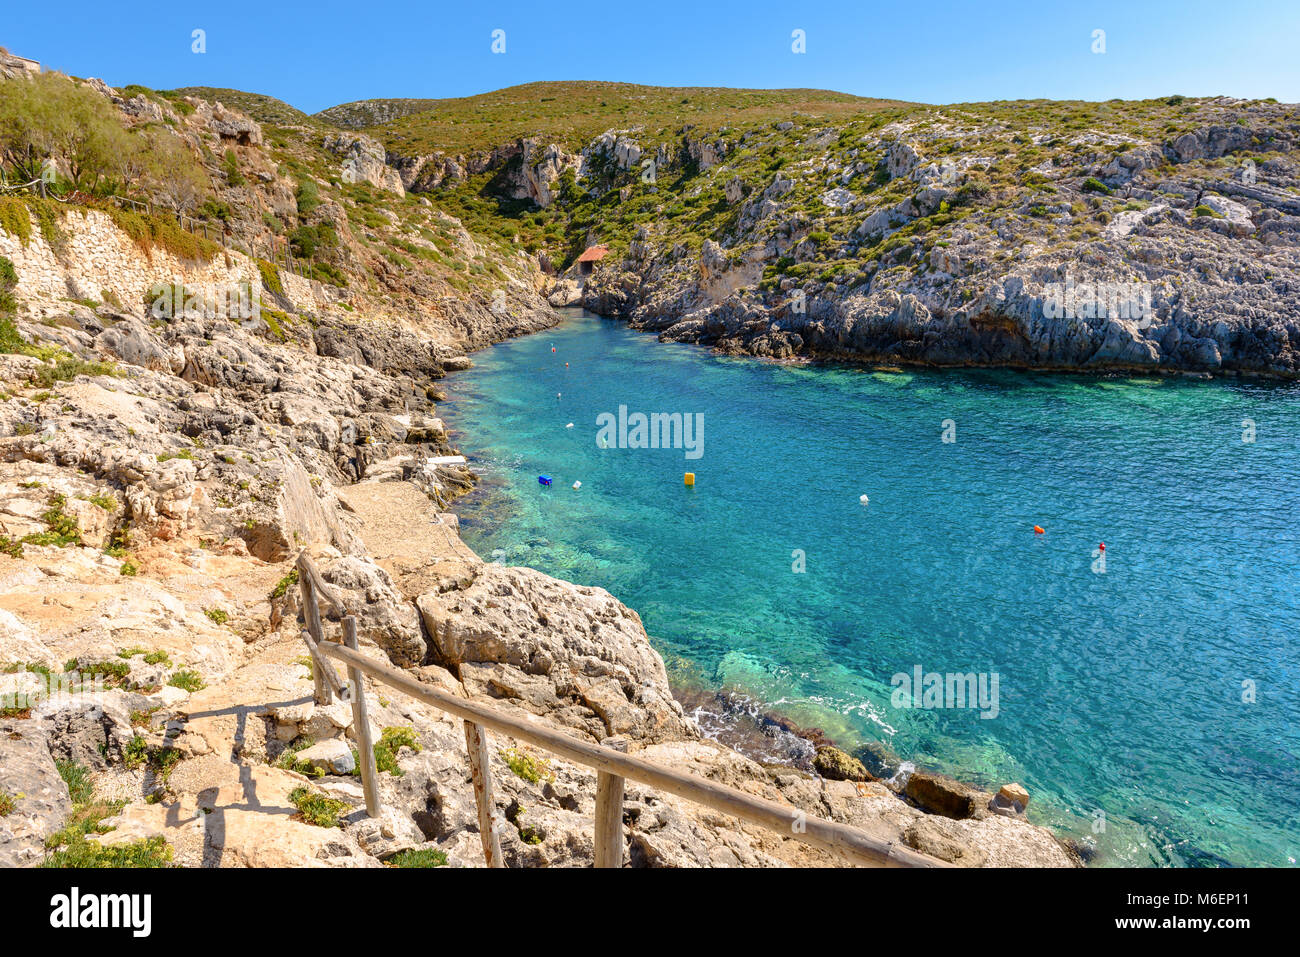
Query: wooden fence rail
[613, 768]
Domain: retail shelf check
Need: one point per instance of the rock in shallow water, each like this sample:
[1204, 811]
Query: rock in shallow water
[835, 764]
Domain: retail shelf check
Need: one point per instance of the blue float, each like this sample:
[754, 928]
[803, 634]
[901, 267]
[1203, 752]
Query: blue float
[543, 480]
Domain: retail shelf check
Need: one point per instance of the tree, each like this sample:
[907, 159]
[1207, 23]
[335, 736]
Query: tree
[49, 117]
[174, 173]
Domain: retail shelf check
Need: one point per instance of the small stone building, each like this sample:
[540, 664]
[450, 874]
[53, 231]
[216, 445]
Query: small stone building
[589, 257]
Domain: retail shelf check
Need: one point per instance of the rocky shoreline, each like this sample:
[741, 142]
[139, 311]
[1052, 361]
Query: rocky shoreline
[158, 500]
[776, 743]
[959, 236]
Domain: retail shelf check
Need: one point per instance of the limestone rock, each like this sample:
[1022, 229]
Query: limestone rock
[536, 632]
[383, 617]
[332, 756]
[942, 795]
[835, 764]
[364, 160]
[41, 797]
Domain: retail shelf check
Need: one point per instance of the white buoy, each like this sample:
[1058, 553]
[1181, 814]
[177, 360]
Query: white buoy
[569, 426]
[577, 485]
[558, 394]
[863, 499]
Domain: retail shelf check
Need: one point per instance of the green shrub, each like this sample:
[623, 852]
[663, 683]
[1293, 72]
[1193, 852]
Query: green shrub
[69, 846]
[531, 769]
[162, 232]
[308, 196]
[284, 584]
[391, 740]
[218, 615]
[1094, 185]
[136, 752]
[308, 240]
[230, 165]
[270, 276]
[329, 274]
[81, 853]
[418, 857]
[187, 679]
[66, 368]
[77, 778]
[8, 281]
[316, 808]
[15, 219]
[288, 760]
[972, 193]
[214, 209]
[62, 529]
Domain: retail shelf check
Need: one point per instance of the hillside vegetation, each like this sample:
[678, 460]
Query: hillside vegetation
[573, 113]
[799, 222]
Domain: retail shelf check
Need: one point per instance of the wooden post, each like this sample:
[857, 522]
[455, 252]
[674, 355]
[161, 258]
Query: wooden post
[609, 820]
[323, 665]
[361, 722]
[311, 614]
[481, 773]
[783, 819]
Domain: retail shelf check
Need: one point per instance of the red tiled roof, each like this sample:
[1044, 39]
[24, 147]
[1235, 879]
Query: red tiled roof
[594, 254]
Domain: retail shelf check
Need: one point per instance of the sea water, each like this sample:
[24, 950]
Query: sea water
[1148, 697]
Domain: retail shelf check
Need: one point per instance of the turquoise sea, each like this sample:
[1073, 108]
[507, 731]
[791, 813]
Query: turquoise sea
[1152, 710]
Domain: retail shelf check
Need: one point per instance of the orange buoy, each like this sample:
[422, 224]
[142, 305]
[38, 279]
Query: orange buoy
[552, 348]
[1038, 530]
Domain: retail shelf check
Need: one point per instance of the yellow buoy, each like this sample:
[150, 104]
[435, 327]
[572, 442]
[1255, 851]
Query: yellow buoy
[690, 478]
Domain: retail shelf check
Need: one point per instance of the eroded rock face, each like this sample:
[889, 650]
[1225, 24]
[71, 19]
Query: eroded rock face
[976, 285]
[555, 648]
[383, 616]
[421, 174]
[230, 125]
[542, 167]
[41, 798]
[364, 160]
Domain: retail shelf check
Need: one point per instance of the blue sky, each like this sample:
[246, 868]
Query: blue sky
[936, 51]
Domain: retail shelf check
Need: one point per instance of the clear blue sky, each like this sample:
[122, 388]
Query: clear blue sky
[935, 51]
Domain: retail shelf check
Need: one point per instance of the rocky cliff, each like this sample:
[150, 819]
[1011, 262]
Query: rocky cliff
[1152, 235]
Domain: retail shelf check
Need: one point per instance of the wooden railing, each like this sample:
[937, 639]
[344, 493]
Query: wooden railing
[612, 767]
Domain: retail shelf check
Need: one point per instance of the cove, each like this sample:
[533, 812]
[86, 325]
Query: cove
[1149, 707]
